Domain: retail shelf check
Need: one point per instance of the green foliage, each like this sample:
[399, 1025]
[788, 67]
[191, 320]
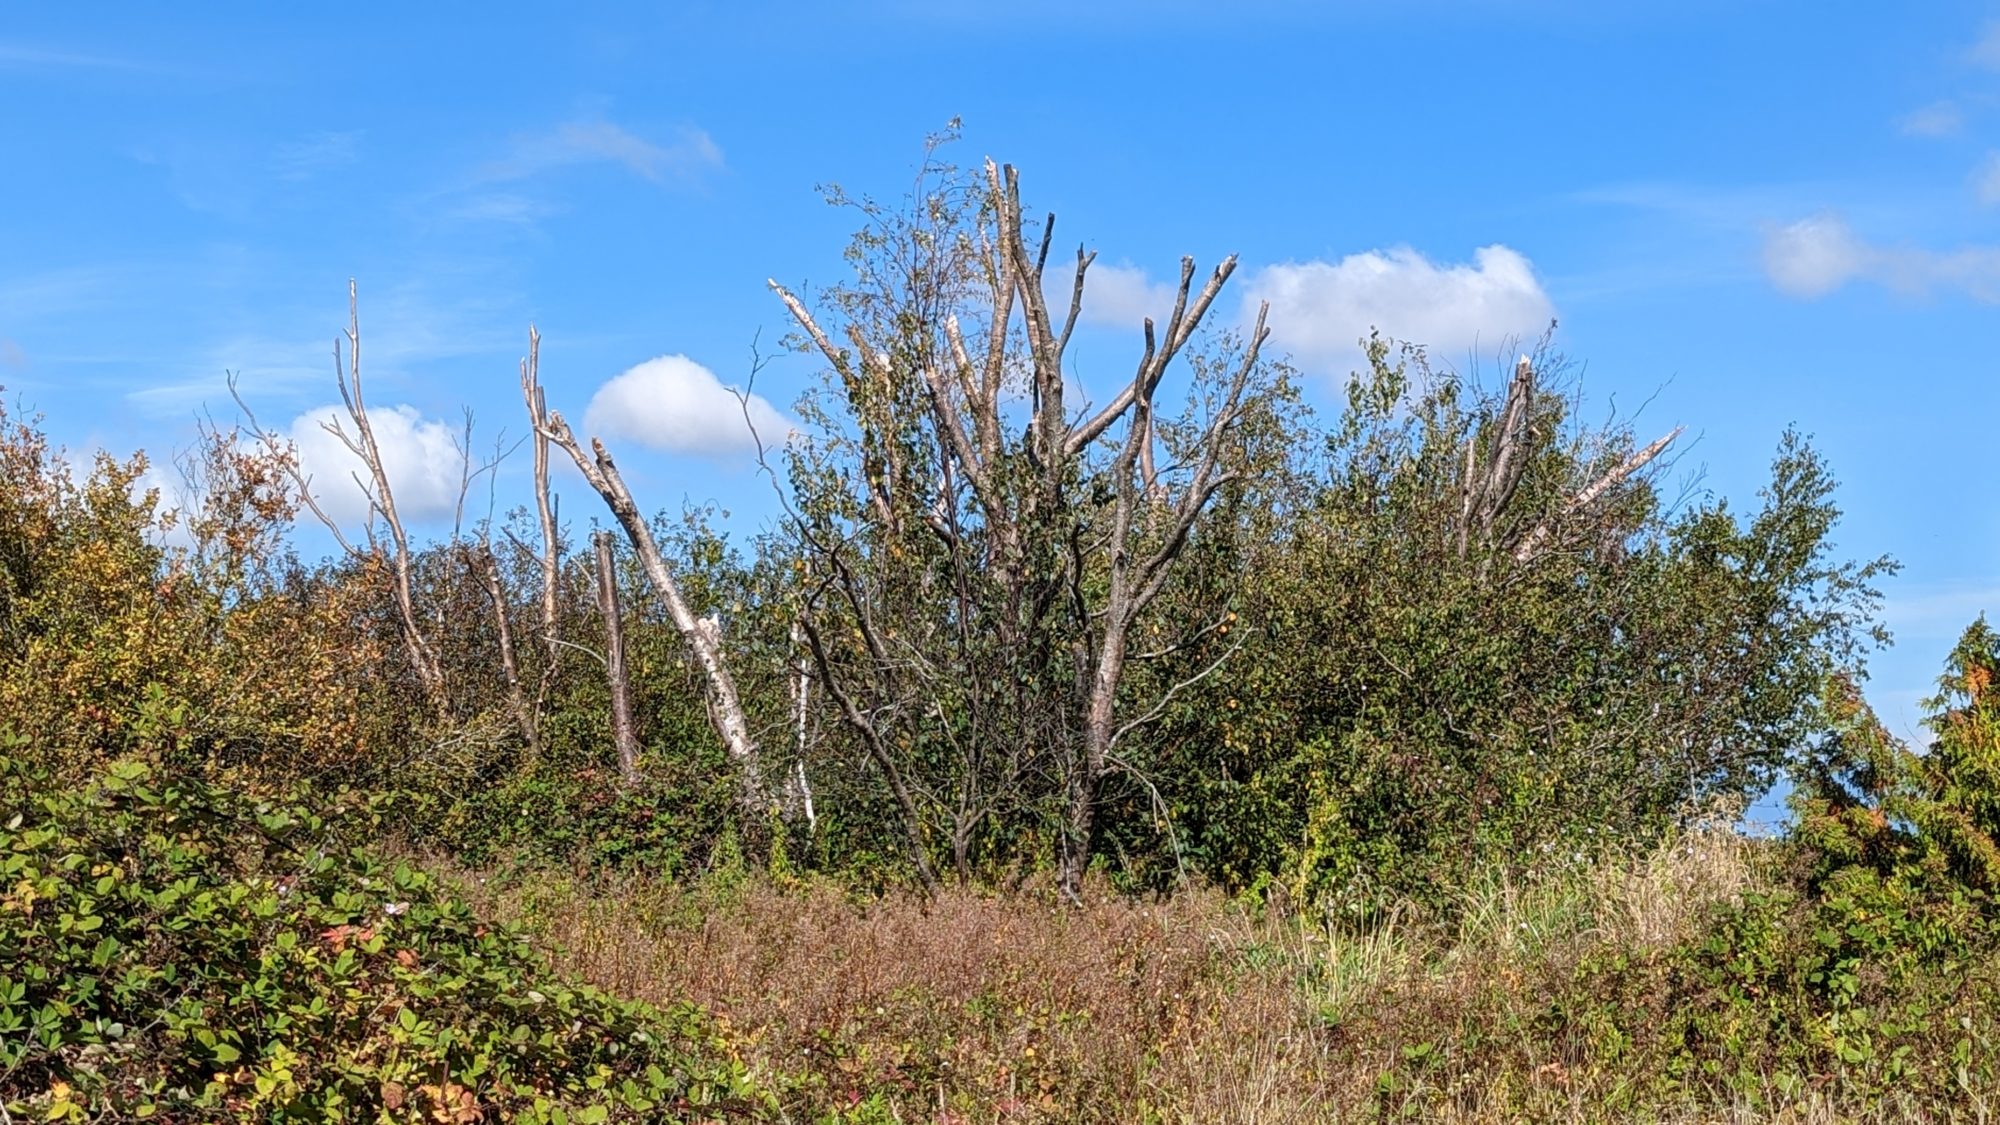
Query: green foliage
[181, 634]
[1869, 808]
[1419, 697]
[172, 948]
[1871, 972]
[666, 823]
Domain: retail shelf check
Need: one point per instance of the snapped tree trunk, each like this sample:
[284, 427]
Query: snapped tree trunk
[1026, 554]
[703, 637]
[623, 733]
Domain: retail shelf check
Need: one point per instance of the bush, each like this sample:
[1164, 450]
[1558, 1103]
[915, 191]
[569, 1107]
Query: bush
[171, 948]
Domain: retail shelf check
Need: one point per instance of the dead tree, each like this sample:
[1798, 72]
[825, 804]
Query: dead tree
[624, 734]
[1487, 491]
[1537, 538]
[800, 682]
[1136, 578]
[703, 636]
[363, 445]
[381, 504]
[526, 720]
[550, 558]
[1047, 546]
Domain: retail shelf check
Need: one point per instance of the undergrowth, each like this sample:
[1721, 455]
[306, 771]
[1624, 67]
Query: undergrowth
[172, 949]
[1685, 984]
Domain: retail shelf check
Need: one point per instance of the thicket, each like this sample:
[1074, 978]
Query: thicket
[176, 950]
[1187, 634]
[1455, 627]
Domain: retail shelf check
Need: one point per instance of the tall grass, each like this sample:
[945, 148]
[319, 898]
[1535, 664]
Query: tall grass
[972, 1006]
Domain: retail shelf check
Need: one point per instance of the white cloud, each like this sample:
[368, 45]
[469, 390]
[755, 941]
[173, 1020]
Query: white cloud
[1119, 296]
[1321, 310]
[689, 152]
[675, 404]
[420, 455]
[1815, 256]
[1939, 119]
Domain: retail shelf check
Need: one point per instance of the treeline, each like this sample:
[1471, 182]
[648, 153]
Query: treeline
[1191, 631]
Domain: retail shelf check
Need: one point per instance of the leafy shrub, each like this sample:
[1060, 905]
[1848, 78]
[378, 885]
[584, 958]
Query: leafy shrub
[171, 948]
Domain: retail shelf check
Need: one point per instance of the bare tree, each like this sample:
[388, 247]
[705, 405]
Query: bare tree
[1044, 549]
[1487, 491]
[381, 502]
[526, 720]
[551, 552]
[703, 636]
[1537, 537]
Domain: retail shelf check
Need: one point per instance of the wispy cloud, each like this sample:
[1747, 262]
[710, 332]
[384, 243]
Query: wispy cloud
[311, 155]
[214, 177]
[26, 56]
[1939, 119]
[1725, 209]
[287, 359]
[61, 293]
[1985, 50]
[510, 208]
[265, 367]
[1939, 612]
[1818, 255]
[1986, 181]
[689, 152]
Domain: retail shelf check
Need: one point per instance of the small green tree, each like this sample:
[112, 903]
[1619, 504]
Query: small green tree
[1475, 632]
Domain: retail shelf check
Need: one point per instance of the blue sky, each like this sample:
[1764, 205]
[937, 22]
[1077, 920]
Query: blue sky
[1752, 214]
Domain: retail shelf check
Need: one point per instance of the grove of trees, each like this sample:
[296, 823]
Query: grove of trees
[1192, 631]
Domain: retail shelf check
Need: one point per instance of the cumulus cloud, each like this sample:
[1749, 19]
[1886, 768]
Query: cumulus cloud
[420, 456]
[1939, 119]
[1117, 296]
[1815, 256]
[675, 404]
[1320, 310]
[173, 492]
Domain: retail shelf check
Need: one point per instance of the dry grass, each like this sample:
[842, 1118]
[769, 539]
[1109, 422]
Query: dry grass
[974, 1007]
[966, 1006]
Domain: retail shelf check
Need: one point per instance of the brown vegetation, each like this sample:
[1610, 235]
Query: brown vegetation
[968, 1006]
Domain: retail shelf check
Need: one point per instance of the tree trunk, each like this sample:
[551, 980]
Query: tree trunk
[517, 702]
[703, 637]
[623, 733]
